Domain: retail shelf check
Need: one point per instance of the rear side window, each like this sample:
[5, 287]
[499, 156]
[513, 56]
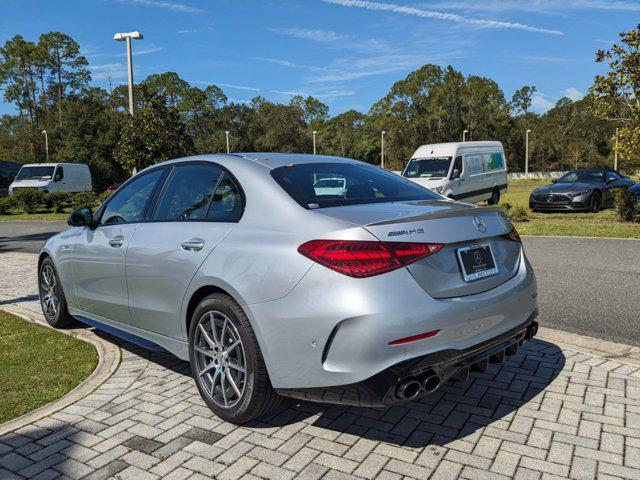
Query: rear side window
[187, 193]
[484, 162]
[226, 205]
[355, 183]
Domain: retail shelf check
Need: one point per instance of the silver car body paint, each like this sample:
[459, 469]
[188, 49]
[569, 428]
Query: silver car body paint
[301, 311]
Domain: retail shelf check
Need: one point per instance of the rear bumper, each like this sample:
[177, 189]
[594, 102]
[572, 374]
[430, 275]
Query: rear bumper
[389, 387]
[335, 330]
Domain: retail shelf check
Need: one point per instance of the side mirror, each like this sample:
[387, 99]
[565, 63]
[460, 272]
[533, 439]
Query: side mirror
[554, 180]
[455, 174]
[82, 217]
[611, 180]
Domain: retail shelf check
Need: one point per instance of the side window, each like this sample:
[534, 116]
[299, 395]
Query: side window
[612, 176]
[457, 164]
[129, 203]
[226, 205]
[187, 193]
[59, 174]
[496, 161]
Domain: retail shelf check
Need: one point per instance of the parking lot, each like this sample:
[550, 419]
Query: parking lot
[546, 412]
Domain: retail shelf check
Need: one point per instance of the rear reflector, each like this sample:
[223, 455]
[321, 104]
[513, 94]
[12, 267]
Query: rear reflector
[415, 338]
[512, 235]
[361, 259]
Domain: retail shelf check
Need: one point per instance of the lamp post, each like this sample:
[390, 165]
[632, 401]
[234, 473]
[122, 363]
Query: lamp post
[464, 135]
[126, 37]
[226, 133]
[382, 149]
[314, 142]
[615, 153]
[46, 143]
[526, 153]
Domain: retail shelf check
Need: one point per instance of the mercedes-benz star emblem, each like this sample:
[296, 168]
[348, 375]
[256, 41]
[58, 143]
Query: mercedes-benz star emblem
[479, 224]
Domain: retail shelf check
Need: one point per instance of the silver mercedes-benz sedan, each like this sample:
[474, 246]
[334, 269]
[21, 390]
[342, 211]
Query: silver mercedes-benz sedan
[371, 292]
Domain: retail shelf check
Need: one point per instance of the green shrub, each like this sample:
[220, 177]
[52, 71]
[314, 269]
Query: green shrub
[57, 201]
[100, 199]
[30, 200]
[83, 199]
[507, 208]
[519, 214]
[6, 204]
[626, 205]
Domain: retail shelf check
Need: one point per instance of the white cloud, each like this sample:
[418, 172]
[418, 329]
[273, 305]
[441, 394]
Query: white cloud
[541, 104]
[327, 95]
[106, 66]
[185, 31]
[334, 39]
[287, 63]
[176, 7]
[451, 17]
[227, 85]
[538, 6]
[573, 93]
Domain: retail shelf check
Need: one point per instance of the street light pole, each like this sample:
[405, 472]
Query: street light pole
[46, 143]
[382, 150]
[126, 37]
[464, 135]
[615, 154]
[526, 153]
[227, 135]
[314, 142]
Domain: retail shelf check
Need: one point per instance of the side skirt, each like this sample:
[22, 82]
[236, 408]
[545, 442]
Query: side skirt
[144, 338]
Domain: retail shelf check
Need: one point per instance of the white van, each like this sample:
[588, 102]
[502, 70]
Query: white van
[53, 177]
[467, 171]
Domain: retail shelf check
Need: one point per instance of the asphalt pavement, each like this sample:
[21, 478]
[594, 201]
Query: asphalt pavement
[589, 286]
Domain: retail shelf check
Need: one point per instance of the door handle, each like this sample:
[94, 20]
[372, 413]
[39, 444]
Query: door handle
[116, 242]
[193, 245]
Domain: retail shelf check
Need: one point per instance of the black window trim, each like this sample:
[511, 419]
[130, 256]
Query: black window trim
[155, 196]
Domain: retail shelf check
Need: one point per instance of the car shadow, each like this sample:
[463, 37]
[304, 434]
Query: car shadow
[25, 243]
[455, 411]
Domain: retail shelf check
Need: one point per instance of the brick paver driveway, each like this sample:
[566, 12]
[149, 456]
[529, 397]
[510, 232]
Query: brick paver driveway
[544, 413]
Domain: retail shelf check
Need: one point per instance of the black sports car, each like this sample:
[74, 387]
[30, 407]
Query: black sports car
[585, 189]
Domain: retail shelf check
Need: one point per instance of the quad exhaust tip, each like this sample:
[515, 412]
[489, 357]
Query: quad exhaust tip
[430, 383]
[408, 390]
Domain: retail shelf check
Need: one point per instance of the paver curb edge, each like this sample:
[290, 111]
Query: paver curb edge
[108, 361]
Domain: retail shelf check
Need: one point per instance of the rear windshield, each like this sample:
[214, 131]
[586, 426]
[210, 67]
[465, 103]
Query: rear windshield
[350, 184]
[35, 173]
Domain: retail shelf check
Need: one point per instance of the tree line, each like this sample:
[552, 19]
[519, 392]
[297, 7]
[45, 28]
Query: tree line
[49, 82]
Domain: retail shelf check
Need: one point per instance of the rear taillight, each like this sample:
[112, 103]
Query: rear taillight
[362, 259]
[512, 235]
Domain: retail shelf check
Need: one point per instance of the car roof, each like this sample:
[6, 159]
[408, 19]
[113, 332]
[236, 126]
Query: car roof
[269, 160]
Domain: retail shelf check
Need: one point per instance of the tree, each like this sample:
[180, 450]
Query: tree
[522, 99]
[68, 68]
[154, 134]
[617, 93]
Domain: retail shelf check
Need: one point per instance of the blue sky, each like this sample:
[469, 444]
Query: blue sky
[348, 53]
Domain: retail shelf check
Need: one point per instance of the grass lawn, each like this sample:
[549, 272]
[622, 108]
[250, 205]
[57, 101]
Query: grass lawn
[38, 365]
[602, 224]
[33, 216]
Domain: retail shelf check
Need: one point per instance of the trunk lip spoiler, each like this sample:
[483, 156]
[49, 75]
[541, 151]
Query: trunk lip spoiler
[440, 214]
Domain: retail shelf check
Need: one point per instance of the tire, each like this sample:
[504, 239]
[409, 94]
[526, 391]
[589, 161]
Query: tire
[595, 203]
[257, 396]
[52, 299]
[495, 197]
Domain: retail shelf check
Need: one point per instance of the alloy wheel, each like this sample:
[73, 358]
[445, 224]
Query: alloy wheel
[49, 296]
[220, 359]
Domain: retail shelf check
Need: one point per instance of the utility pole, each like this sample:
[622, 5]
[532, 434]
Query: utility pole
[126, 37]
[382, 150]
[227, 135]
[464, 135]
[46, 143]
[526, 153]
[615, 153]
[314, 142]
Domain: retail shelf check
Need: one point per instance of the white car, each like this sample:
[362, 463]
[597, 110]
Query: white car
[53, 177]
[467, 171]
[331, 186]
